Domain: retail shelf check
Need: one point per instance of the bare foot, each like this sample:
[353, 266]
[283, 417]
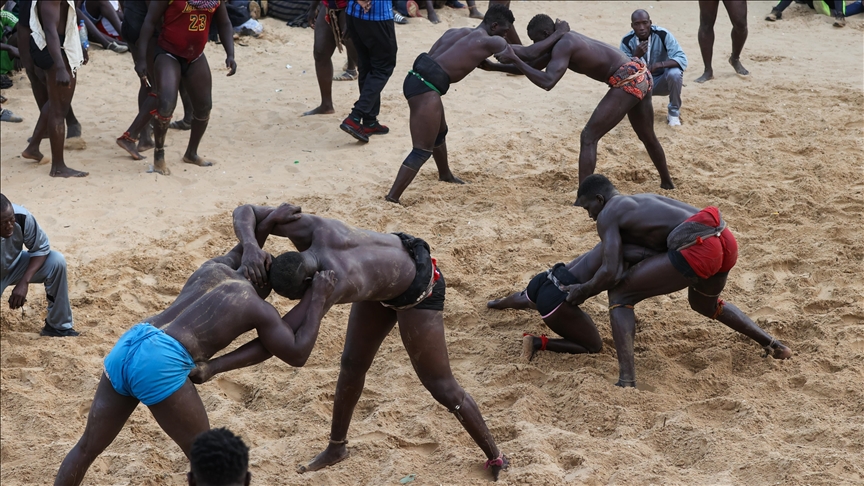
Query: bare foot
[37, 156]
[159, 165]
[451, 178]
[778, 350]
[626, 383]
[391, 199]
[708, 75]
[736, 63]
[333, 454]
[474, 13]
[75, 143]
[73, 131]
[67, 172]
[529, 347]
[668, 185]
[496, 470]
[321, 110]
[196, 160]
[129, 146]
[517, 300]
[146, 144]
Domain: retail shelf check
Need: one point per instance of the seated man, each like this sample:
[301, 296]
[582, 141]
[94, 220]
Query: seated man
[40, 264]
[107, 17]
[545, 293]
[696, 251]
[387, 278]
[219, 458]
[663, 56]
[152, 361]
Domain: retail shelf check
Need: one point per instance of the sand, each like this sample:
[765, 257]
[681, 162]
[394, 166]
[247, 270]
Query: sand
[780, 153]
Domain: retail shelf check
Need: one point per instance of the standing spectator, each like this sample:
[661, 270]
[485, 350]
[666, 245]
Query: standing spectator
[329, 21]
[737, 11]
[663, 56]
[219, 458]
[40, 264]
[372, 30]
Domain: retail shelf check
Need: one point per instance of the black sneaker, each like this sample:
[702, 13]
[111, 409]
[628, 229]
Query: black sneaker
[51, 332]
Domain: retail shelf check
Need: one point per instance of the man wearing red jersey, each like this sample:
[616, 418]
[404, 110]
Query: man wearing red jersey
[180, 54]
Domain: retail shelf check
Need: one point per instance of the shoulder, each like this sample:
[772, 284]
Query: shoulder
[661, 32]
[627, 38]
[22, 215]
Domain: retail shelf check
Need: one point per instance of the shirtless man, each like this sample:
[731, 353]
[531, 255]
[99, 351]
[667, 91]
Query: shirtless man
[545, 294]
[695, 250]
[180, 54]
[328, 18]
[451, 58]
[387, 278]
[57, 58]
[737, 11]
[151, 362]
[629, 93]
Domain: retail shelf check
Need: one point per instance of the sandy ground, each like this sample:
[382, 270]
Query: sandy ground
[780, 153]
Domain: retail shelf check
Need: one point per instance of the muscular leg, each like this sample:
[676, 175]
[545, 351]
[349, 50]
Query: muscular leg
[439, 153]
[423, 336]
[703, 297]
[707, 17]
[427, 113]
[738, 15]
[182, 416]
[368, 325]
[103, 8]
[606, 116]
[322, 52]
[59, 101]
[642, 120]
[200, 87]
[147, 102]
[167, 76]
[108, 413]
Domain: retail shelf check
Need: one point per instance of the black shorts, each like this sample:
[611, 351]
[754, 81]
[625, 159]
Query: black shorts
[184, 63]
[419, 251]
[435, 301]
[133, 20]
[42, 58]
[431, 71]
[543, 292]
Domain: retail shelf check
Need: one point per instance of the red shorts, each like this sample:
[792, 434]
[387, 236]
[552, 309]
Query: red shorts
[713, 255]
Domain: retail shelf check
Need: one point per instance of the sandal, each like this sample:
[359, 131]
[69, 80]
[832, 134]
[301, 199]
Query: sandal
[348, 75]
[180, 125]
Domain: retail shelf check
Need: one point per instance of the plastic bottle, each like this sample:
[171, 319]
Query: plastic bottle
[82, 34]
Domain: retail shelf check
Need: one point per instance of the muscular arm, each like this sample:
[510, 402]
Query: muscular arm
[537, 49]
[155, 12]
[555, 70]
[226, 35]
[50, 16]
[609, 271]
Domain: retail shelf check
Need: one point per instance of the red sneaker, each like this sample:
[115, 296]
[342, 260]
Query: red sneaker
[375, 129]
[351, 127]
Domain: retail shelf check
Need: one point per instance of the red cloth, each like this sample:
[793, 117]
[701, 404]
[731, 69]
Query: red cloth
[712, 255]
[185, 29]
[336, 4]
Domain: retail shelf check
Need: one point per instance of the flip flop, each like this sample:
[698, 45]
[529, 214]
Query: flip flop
[348, 75]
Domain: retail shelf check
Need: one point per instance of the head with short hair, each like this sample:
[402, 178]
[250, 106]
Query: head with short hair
[640, 22]
[593, 194]
[219, 458]
[7, 217]
[540, 27]
[498, 20]
[289, 276]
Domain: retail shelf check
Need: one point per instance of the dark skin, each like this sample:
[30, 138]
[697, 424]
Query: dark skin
[198, 81]
[372, 267]
[141, 125]
[60, 86]
[247, 480]
[578, 330]
[215, 307]
[641, 23]
[103, 8]
[737, 11]
[646, 220]
[322, 51]
[19, 293]
[458, 52]
[598, 61]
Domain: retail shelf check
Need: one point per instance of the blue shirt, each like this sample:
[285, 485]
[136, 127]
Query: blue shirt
[662, 47]
[379, 11]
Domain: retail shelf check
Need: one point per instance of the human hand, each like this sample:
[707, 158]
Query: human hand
[231, 65]
[366, 5]
[641, 49]
[562, 26]
[255, 263]
[141, 70]
[62, 78]
[311, 17]
[19, 295]
[285, 213]
[324, 282]
[485, 65]
[575, 294]
[202, 373]
[507, 56]
[86, 55]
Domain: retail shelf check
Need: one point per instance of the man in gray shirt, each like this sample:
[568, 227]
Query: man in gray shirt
[39, 264]
[663, 56]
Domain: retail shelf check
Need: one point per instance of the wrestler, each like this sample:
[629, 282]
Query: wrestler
[330, 26]
[696, 251]
[451, 58]
[387, 278]
[135, 11]
[152, 361]
[629, 93]
[179, 54]
[55, 50]
[737, 11]
[545, 294]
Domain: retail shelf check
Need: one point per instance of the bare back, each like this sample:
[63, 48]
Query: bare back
[645, 219]
[460, 51]
[216, 305]
[588, 56]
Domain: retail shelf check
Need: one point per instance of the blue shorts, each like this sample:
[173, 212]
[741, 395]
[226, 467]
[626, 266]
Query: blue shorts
[148, 364]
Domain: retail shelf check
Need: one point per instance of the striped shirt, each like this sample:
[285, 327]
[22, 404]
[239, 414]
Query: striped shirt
[379, 11]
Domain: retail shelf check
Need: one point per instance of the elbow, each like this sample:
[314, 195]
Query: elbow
[297, 361]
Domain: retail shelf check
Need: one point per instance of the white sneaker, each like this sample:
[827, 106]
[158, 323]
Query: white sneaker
[674, 121]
